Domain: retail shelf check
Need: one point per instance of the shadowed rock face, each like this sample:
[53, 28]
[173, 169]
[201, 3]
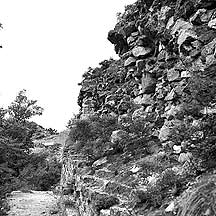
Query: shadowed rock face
[163, 47]
[119, 41]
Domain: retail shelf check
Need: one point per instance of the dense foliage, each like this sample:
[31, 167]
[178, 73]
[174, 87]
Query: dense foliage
[92, 136]
[40, 173]
[18, 166]
[200, 94]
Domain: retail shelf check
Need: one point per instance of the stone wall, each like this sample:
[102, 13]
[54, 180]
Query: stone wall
[162, 46]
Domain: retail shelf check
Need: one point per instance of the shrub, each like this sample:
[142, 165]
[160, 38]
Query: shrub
[40, 174]
[198, 199]
[200, 141]
[167, 185]
[92, 136]
[199, 93]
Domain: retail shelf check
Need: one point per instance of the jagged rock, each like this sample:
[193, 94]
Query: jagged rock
[172, 74]
[145, 100]
[208, 4]
[168, 144]
[196, 18]
[210, 60]
[148, 83]
[126, 54]
[140, 64]
[135, 169]
[139, 114]
[118, 136]
[206, 35]
[153, 147]
[170, 56]
[123, 106]
[140, 51]
[185, 74]
[162, 56]
[212, 24]
[124, 119]
[170, 23]
[135, 34]
[130, 62]
[186, 9]
[150, 63]
[104, 212]
[166, 129]
[130, 40]
[196, 44]
[129, 29]
[181, 26]
[170, 96]
[109, 98]
[170, 207]
[99, 162]
[177, 149]
[185, 40]
[144, 41]
[179, 88]
[205, 18]
[118, 39]
[172, 111]
[183, 157]
[164, 14]
[185, 31]
[209, 48]
[152, 179]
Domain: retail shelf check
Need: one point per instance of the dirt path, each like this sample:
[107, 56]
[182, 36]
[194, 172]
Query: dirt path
[33, 203]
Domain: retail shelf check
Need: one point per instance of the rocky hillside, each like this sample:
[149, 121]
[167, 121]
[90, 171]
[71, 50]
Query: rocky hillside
[144, 142]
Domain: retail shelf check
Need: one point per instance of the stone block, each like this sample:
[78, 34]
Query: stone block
[118, 136]
[140, 51]
[148, 83]
[130, 62]
[173, 75]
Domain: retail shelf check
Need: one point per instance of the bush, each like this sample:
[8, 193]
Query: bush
[17, 165]
[40, 174]
[167, 184]
[199, 140]
[91, 137]
[199, 93]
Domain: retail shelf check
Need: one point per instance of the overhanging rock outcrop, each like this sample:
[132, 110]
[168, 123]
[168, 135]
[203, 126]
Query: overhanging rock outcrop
[165, 79]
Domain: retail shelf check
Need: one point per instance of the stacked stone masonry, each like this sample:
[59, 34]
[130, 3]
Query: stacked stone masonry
[161, 44]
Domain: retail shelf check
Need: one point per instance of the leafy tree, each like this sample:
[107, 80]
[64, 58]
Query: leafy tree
[23, 109]
[15, 140]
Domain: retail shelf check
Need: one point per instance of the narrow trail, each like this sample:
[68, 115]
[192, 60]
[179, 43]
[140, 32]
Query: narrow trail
[33, 203]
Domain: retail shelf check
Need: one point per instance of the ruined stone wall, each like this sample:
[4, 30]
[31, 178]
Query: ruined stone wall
[162, 45]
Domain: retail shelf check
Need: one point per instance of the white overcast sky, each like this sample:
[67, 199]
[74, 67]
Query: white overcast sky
[48, 45]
